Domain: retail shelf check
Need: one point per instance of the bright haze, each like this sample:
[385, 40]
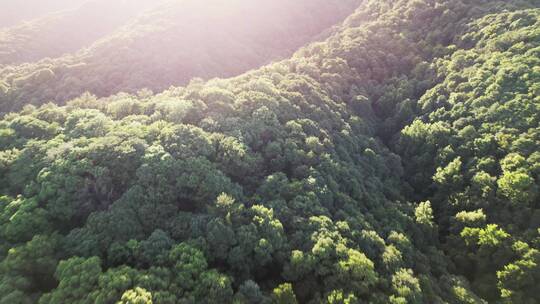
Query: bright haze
[134, 45]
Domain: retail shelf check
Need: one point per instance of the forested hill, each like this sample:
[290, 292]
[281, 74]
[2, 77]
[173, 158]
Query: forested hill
[168, 45]
[67, 31]
[14, 11]
[397, 161]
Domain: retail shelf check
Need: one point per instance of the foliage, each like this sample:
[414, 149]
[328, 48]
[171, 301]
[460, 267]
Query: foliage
[298, 182]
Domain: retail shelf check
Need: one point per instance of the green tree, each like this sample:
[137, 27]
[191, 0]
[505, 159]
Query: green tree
[424, 214]
[77, 279]
[284, 294]
[406, 286]
[518, 187]
[136, 296]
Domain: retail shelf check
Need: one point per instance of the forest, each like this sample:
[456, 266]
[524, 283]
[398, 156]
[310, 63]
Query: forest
[153, 49]
[336, 151]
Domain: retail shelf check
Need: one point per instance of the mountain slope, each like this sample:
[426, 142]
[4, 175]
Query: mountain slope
[15, 11]
[173, 44]
[67, 31]
[305, 181]
[482, 121]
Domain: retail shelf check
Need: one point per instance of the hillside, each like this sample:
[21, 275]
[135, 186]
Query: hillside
[67, 31]
[395, 161]
[16, 11]
[173, 44]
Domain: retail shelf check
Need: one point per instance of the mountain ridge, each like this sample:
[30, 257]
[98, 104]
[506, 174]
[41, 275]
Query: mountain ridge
[151, 43]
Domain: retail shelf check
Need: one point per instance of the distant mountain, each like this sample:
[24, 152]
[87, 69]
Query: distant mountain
[173, 44]
[16, 11]
[67, 31]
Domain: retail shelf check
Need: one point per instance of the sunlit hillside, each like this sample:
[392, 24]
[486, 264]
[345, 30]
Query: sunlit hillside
[67, 31]
[168, 45]
[278, 152]
[16, 11]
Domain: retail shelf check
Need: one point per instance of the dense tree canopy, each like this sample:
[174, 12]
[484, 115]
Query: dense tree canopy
[164, 46]
[396, 161]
